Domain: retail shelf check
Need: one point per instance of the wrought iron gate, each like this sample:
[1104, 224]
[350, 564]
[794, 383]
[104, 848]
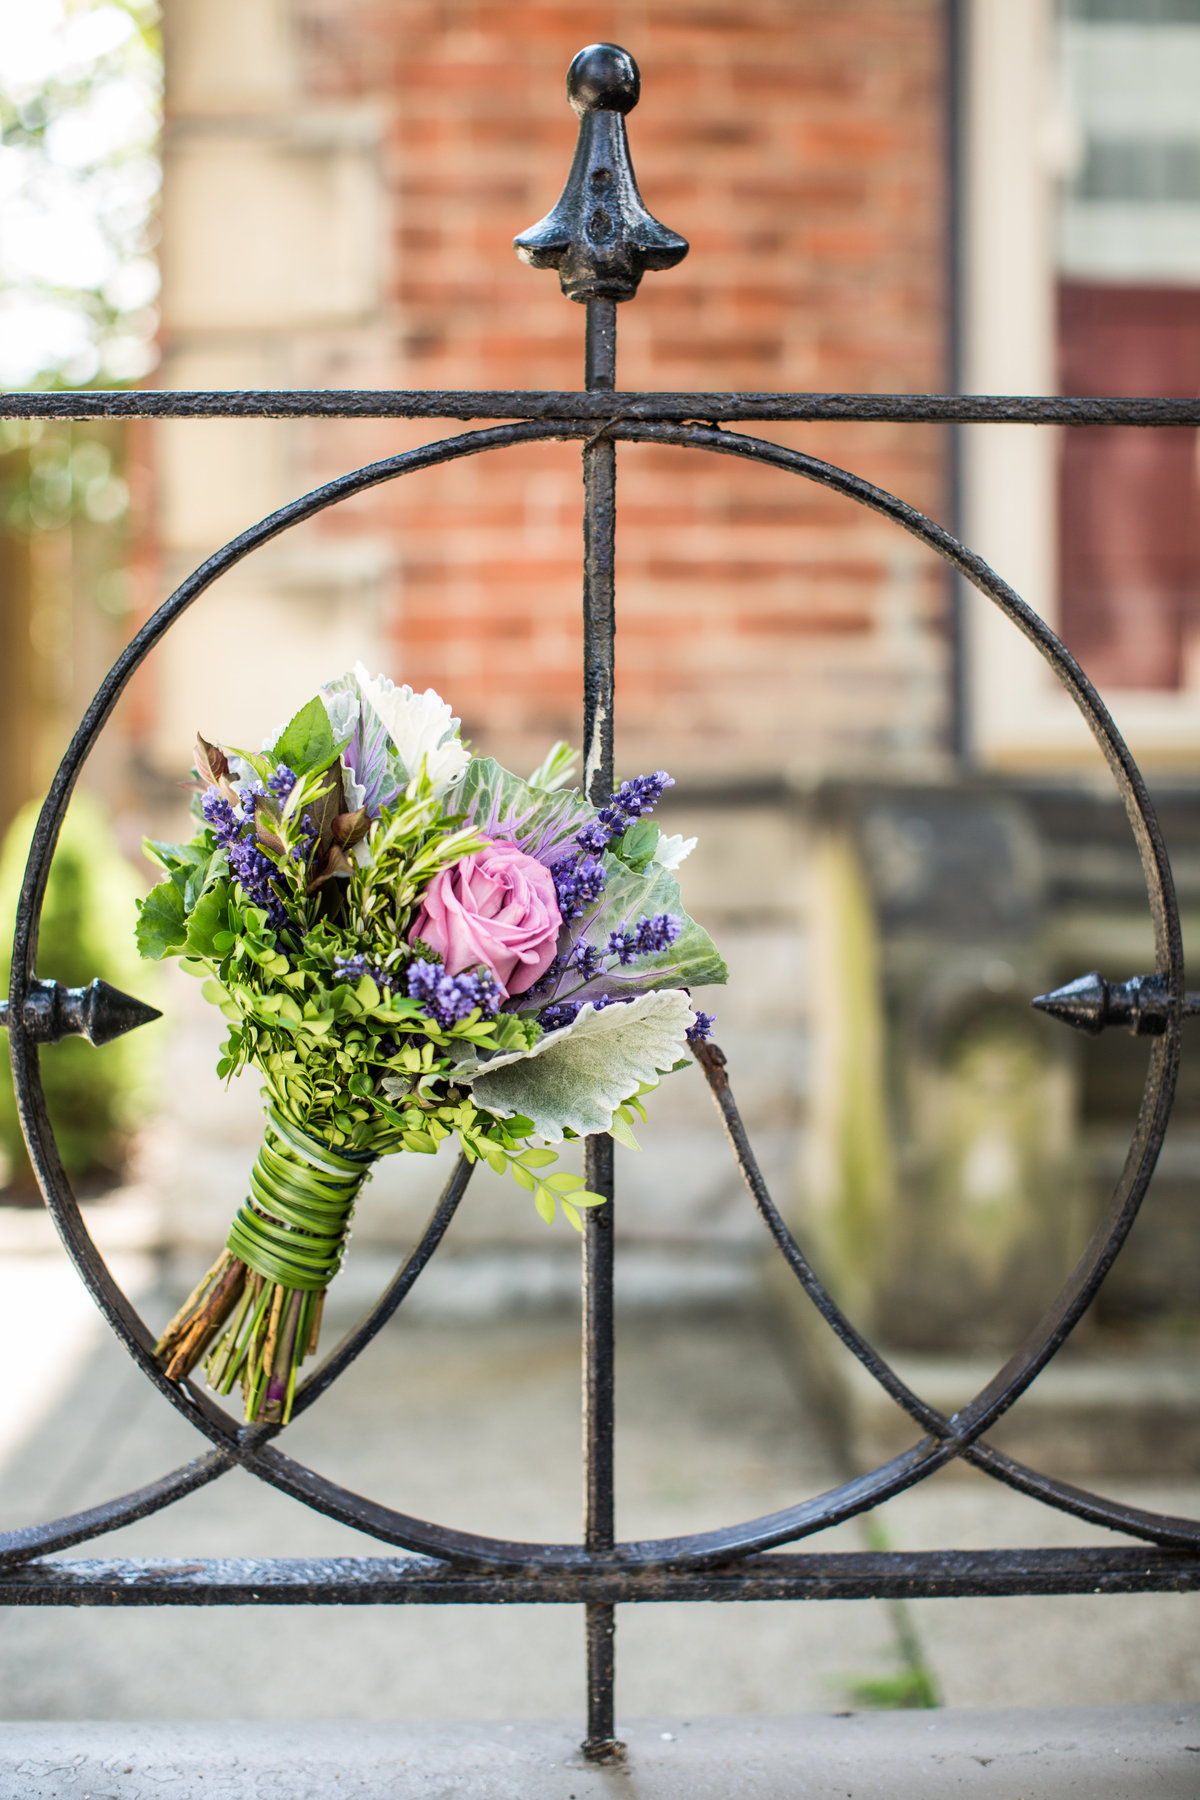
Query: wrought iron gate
[601, 240]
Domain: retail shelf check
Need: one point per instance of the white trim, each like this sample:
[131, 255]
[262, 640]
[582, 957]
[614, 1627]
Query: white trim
[1018, 716]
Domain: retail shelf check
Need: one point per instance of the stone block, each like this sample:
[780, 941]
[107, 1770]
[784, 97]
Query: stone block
[228, 56]
[274, 228]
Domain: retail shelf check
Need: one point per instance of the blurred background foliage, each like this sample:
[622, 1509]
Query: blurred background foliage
[80, 94]
[96, 1098]
[80, 104]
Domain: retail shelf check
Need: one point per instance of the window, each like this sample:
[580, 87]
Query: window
[1082, 275]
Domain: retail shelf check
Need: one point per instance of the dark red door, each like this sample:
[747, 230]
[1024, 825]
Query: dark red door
[1130, 499]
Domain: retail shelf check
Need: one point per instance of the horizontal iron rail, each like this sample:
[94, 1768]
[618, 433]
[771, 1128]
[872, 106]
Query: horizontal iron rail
[420, 1581]
[388, 403]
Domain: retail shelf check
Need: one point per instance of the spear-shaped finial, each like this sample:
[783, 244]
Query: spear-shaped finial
[1090, 1003]
[97, 1012]
[599, 236]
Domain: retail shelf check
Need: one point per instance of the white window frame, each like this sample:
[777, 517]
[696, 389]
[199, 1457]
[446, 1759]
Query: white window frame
[1018, 717]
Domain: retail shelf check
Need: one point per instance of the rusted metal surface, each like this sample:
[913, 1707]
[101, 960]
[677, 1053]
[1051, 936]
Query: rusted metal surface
[671, 407]
[415, 1581]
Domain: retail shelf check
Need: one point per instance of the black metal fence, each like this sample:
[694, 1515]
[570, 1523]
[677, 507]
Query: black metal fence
[601, 239]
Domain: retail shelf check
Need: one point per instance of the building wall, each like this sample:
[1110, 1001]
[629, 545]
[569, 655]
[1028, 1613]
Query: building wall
[342, 185]
[343, 181]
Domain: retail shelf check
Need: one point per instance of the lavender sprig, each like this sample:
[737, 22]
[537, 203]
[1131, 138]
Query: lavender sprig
[634, 799]
[649, 937]
[565, 1012]
[448, 999]
[353, 968]
[248, 864]
[579, 884]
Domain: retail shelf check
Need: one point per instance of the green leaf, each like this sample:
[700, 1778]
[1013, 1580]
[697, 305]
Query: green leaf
[576, 1078]
[174, 857]
[622, 1131]
[512, 1033]
[537, 1159]
[306, 743]
[556, 768]
[543, 1199]
[638, 844]
[161, 930]
[201, 876]
[208, 920]
[262, 765]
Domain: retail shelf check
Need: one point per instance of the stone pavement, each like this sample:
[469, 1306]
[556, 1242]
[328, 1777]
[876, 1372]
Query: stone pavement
[470, 1414]
[477, 1425]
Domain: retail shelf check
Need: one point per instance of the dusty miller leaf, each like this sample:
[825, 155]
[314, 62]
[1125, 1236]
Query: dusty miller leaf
[574, 1079]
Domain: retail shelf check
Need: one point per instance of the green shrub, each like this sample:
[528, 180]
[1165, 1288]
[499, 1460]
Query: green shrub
[96, 1095]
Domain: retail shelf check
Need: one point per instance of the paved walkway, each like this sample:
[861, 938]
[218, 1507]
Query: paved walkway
[477, 1424]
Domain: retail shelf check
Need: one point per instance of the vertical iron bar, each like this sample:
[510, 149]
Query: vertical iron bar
[599, 628]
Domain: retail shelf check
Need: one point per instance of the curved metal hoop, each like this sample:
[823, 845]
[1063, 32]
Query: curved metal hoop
[249, 1448]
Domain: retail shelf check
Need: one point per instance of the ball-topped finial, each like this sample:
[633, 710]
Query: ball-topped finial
[599, 236]
[603, 78]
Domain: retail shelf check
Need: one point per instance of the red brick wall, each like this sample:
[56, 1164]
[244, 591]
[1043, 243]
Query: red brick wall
[763, 624]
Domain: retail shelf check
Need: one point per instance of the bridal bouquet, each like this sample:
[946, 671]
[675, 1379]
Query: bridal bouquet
[410, 944]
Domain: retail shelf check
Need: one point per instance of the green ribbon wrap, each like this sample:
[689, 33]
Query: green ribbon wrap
[293, 1227]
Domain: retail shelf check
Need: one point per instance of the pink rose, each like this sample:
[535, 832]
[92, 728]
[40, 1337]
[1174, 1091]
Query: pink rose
[497, 907]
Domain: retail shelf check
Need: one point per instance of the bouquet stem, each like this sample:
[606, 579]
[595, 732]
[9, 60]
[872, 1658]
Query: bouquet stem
[257, 1311]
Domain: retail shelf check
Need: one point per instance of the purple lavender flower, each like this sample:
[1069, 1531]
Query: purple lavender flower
[555, 1017]
[450, 998]
[649, 937]
[594, 838]
[634, 799]
[282, 782]
[248, 796]
[353, 968]
[701, 1031]
[247, 863]
[585, 959]
[565, 1012]
[578, 885]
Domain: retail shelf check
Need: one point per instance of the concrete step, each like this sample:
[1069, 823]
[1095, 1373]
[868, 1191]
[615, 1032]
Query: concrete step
[1086, 1753]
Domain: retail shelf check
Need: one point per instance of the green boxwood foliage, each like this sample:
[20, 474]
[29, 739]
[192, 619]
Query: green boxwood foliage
[96, 1096]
